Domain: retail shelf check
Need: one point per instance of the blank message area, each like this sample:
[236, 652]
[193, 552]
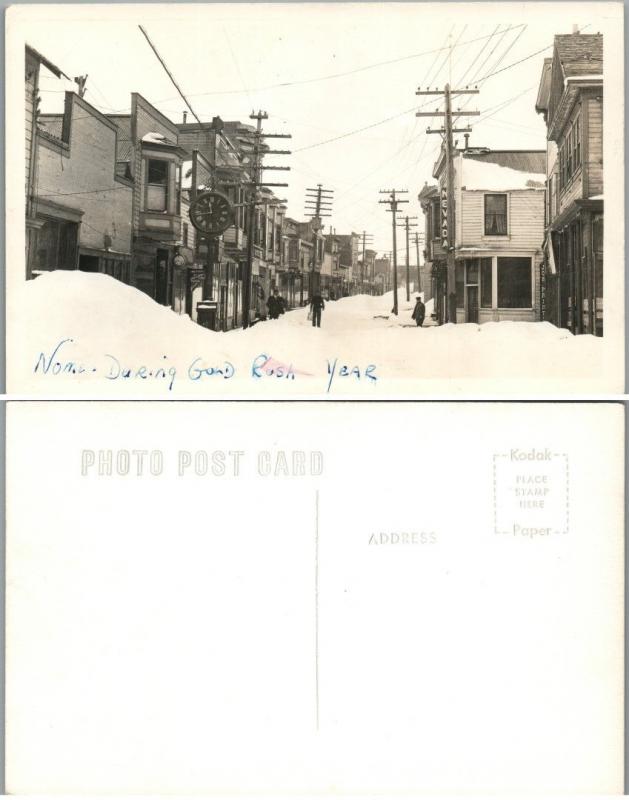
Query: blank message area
[157, 630]
[296, 602]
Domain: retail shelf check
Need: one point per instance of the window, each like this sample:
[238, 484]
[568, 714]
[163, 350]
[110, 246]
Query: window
[570, 153]
[577, 142]
[185, 234]
[486, 280]
[514, 283]
[157, 185]
[495, 215]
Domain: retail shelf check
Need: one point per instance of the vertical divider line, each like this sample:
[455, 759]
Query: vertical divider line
[316, 588]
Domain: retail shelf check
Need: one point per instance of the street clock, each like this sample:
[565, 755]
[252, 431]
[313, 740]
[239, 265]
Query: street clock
[211, 213]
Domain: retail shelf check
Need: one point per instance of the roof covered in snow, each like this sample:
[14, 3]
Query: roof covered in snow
[154, 137]
[504, 170]
[522, 160]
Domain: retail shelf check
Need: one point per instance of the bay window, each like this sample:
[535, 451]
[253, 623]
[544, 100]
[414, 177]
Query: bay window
[157, 185]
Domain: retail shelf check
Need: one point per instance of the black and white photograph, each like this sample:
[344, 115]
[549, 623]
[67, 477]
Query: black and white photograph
[265, 199]
[315, 400]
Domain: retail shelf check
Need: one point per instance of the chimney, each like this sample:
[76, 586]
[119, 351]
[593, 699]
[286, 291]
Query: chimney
[185, 117]
[467, 140]
[575, 29]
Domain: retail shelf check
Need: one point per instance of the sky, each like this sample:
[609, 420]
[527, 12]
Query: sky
[341, 78]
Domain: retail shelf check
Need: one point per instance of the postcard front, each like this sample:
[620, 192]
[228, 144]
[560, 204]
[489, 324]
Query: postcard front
[277, 201]
[314, 598]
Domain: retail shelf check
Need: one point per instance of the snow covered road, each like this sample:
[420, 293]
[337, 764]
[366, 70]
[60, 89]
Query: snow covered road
[89, 335]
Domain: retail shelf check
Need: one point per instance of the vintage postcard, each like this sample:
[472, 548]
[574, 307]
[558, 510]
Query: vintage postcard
[325, 598]
[279, 200]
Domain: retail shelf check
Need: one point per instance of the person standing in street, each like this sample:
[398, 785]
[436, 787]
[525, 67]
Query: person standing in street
[419, 312]
[316, 307]
[275, 304]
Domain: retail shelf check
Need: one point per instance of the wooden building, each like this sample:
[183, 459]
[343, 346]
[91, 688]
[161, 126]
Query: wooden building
[80, 204]
[150, 157]
[434, 267]
[33, 63]
[570, 97]
[499, 225]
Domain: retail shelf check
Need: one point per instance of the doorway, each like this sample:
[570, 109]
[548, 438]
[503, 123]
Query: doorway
[471, 288]
[472, 304]
[88, 263]
[162, 278]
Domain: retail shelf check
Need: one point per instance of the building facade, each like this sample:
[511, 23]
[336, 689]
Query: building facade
[81, 205]
[570, 97]
[383, 275]
[150, 157]
[33, 63]
[499, 223]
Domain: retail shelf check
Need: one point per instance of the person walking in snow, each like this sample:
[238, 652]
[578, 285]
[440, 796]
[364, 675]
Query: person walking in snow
[275, 304]
[419, 312]
[316, 307]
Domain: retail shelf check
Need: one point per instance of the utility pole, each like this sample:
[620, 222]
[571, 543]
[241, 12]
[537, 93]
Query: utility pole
[393, 202]
[448, 234]
[408, 225]
[419, 278]
[254, 184]
[318, 205]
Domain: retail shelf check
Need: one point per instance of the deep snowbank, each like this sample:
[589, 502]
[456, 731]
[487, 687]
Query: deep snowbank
[116, 341]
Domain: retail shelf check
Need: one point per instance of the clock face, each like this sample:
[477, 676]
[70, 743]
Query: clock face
[211, 213]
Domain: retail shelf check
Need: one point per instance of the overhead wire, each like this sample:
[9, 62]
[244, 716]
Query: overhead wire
[478, 54]
[335, 75]
[429, 76]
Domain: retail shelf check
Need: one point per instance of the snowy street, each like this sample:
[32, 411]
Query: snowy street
[105, 338]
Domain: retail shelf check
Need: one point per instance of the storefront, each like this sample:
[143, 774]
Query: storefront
[154, 269]
[107, 262]
[497, 287]
[574, 269]
[55, 238]
[226, 292]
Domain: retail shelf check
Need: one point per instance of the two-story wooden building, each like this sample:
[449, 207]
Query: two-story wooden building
[570, 97]
[499, 219]
[149, 155]
[80, 204]
[33, 62]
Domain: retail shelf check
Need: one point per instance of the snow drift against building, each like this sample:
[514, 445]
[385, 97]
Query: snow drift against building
[120, 343]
